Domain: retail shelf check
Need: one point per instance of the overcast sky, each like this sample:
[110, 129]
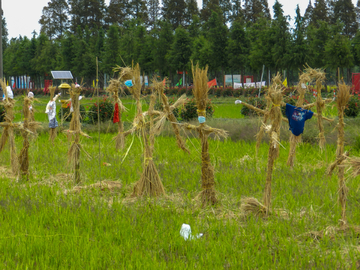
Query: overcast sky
[22, 16]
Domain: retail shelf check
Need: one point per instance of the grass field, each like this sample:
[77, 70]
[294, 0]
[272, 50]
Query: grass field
[45, 225]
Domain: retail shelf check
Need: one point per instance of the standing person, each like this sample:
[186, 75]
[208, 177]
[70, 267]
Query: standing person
[51, 112]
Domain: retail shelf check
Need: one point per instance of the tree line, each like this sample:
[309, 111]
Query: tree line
[230, 36]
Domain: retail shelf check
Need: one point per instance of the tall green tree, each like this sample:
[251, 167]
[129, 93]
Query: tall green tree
[5, 34]
[54, 20]
[299, 49]
[117, 12]
[308, 14]
[338, 50]
[191, 11]
[319, 13]
[154, 12]
[317, 37]
[255, 9]
[162, 47]
[87, 13]
[174, 12]
[218, 37]
[138, 10]
[179, 55]
[344, 11]
[281, 38]
[209, 6]
[238, 47]
[111, 56]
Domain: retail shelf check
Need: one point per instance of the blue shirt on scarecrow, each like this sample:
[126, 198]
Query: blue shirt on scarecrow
[297, 117]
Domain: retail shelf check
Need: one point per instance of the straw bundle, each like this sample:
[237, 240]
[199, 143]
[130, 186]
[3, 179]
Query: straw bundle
[74, 132]
[275, 95]
[341, 102]
[8, 132]
[113, 89]
[27, 128]
[150, 183]
[169, 115]
[200, 92]
[319, 76]
[294, 140]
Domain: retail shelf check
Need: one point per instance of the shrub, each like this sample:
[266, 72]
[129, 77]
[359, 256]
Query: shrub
[67, 116]
[106, 111]
[352, 108]
[2, 113]
[257, 102]
[189, 111]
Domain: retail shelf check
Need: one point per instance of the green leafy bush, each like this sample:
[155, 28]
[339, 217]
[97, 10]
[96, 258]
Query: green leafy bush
[352, 109]
[67, 115]
[257, 102]
[189, 111]
[159, 106]
[2, 113]
[106, 111]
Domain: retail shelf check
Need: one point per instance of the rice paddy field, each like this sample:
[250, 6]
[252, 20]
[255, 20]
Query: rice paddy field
[51, 223]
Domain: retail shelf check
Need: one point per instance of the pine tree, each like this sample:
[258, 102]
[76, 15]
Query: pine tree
[344, 11]
[5, 34]
[163, 47]
[308, 14]
[238, 47]
[255, 9]
[174, 12]
[180, 50]
[154, 12]
[319, 13]
[281, 38]
[218, 37]
[117, 12]
[111, 55]
[237, 12]
[317, 37]
[138, 10]
[210, 6]
[90, 13]
[191, 11]
[54, 20]
[299, 48]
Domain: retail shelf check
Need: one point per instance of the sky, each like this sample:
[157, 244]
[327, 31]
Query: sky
[22, 16]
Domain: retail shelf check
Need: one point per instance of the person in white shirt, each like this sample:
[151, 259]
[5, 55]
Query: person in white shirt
[51, 112]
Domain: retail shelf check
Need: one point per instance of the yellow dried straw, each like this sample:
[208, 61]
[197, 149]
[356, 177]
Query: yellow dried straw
[8, 132]
[169, 115]
[150, 183]
[275, 94]
[304, 78]
[200, 91]
[319, 76]
[341, 102]
[74, 133]
[113, 89]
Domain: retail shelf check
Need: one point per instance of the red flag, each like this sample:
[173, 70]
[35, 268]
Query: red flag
[116, 114]
[14, 85]
[212, 83]
[164, 81]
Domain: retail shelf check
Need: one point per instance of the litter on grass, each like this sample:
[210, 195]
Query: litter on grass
[185, 232]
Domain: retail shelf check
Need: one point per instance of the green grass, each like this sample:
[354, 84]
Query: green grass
[42, 228]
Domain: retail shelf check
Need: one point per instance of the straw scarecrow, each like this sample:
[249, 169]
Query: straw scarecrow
[341, 102]
[8, 132]
[28, 127]
[275, 95]
[169, 115]
[51, 112]
[119, 108]
[150, 183]
[319, 76]
[74, 131]
[200, 91]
